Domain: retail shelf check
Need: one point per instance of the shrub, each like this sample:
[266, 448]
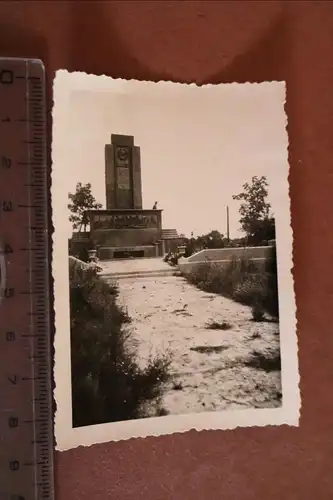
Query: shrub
[267, 361]
[200, 276]
[243, 281]
[161, 412]
[271, 302]
[107, 383]
[172, 258]
[216, 325]
[251, 289]
[177, 386]
[258, 312]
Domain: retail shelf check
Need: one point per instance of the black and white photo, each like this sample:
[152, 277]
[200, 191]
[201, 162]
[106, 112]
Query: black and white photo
[172, 258]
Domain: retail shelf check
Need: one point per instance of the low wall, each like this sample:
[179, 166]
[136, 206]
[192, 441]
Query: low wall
[221, 257]
[79, 247]
[230, 253]
[76, 267]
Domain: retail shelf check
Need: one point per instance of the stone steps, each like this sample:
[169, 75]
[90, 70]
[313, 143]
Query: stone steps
[140, 274]
[169, 234]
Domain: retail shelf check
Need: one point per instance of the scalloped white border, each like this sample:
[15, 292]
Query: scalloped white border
[67, 437]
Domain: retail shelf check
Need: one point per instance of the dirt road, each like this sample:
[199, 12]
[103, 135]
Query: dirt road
[209, 365]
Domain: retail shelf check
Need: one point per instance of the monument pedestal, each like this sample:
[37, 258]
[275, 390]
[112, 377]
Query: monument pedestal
[124, 229]
[126, 233]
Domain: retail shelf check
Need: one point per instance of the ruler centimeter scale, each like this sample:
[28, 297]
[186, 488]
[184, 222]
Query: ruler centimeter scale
[26, 431]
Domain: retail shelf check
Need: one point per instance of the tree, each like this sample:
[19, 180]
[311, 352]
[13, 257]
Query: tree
[213, 239]
[256, 219]
[81, 201]
[263, 231]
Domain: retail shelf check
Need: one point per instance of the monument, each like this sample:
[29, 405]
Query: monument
[125, 229]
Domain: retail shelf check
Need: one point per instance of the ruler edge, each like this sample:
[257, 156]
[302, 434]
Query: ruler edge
[45, 167]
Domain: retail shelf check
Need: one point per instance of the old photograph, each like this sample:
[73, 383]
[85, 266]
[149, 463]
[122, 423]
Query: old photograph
[172, 259]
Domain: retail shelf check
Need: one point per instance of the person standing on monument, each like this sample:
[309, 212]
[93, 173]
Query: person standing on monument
[155, 205]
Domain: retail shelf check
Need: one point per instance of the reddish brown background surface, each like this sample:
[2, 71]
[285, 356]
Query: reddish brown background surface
[214, 42]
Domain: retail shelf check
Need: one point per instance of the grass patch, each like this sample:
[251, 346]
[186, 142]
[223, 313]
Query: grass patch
[177, 386]
[267, 361]
[162, 412]
[215, 325]
[108, 385]
[207, 349]
[258, 313]
[243, 281]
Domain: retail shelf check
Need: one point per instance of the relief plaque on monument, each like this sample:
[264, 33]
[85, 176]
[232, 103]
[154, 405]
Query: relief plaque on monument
[122, 156]
[123, 174]
[128, 221]
[123, 178]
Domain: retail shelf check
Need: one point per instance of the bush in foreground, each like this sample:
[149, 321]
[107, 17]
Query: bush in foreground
[242, 281]
[107, 383]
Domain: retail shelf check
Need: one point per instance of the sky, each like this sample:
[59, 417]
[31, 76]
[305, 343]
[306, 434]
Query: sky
[199, 145]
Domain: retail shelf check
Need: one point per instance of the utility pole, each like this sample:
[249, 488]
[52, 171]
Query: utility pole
[228, 232]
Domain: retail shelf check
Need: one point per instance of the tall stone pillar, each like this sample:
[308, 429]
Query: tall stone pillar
[123, 173]
[110, 177]
[137, 183]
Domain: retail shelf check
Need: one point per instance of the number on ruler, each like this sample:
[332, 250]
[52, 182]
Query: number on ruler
[13, 422]
[12, 379]
[6, 162]
[9, 293]
[7, 249]
[14, 465]
[6, 76]
[7, 206]
[10, 336]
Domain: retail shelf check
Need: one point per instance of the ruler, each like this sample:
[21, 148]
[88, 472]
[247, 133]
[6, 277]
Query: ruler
[26, 431]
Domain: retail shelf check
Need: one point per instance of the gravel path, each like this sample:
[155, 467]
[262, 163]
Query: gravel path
[209, 366]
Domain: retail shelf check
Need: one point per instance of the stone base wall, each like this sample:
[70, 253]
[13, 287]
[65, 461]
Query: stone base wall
[221, 257]
[125, 237]
[125, 228]
[111, 253]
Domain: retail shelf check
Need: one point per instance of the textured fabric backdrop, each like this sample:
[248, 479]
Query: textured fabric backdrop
[206, 41]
